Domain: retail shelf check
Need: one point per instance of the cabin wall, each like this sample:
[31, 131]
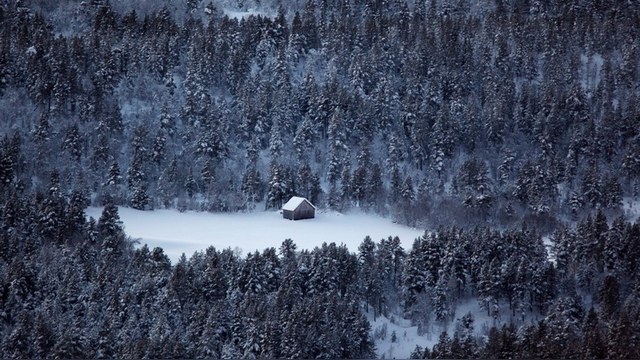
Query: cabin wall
[287, 214]
[304, 211]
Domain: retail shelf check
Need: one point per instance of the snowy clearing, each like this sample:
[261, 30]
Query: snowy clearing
[178, 233]
[239, 14]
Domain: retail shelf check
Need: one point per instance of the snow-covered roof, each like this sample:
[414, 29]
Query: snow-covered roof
[294, 202]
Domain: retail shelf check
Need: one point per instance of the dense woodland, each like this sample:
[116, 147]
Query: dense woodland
[74, 288]
[494, 123]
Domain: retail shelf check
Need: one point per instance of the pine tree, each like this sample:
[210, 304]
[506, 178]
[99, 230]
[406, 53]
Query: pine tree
[359, 179]
[575, 202]
[442, 142]
[101, 149]
[346, 186]
[252, 186]
[591, 188]
[277, 187]
[394, 153]
[492, 347]
[472, 178]
[208, 176]
[17, 342]
[631, 162]
[441, 301]
[408, 193]
[408, 197]
[369, 278]
[417, 353]
[614, 247]
[72, 143]
[489, 287]
[50, 213]
[167, 121]
[158, 151]
[43, 336]
[442, 349]
[593, 343]
[375, 189]
[168, 184]
[337, 141]
[114, 178]
[612, 193]
[75, 219]
[396, 186]
[190, 185]
[7, 162]
[109, 224]
[609, 295]
[505, 170]
[315, 190]
[304, 139]
[140, 200]
[139, 142]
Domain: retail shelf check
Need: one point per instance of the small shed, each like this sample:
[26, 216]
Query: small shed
[298, 208]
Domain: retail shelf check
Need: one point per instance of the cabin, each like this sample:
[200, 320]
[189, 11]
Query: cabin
[298, 208]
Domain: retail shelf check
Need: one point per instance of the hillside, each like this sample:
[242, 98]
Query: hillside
[433, 115]
[492, 125]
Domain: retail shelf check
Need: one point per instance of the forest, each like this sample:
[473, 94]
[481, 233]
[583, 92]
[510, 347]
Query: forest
[490, 124]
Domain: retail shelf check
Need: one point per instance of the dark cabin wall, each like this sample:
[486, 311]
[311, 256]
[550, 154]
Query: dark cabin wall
[287, 214]
[304, 211]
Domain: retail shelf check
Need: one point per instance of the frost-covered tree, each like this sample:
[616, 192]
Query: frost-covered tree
[72, 143]
[277, 187]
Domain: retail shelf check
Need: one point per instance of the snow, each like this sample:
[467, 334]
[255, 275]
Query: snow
[406, 337]
[294, 202]
[191, 231]
[548, 244]
[483, 322]
[591, 68]
[631, 209]
[234, 14]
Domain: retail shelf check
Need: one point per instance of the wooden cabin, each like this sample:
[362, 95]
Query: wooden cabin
[298, 208]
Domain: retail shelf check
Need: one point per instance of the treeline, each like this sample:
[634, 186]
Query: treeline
[588, 296]
[569, 332]
[433, 112]
[72, 287]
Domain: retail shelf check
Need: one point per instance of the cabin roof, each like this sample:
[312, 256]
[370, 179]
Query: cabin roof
[294, 202]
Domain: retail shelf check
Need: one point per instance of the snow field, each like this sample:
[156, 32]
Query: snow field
[238, 14]
[191, 231]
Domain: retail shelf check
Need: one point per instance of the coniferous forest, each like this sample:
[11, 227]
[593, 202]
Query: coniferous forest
[491, 124]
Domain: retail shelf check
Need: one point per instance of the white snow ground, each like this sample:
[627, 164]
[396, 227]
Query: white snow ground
[238, 14]
[406, 337]
[631, 208]
[191, 231]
